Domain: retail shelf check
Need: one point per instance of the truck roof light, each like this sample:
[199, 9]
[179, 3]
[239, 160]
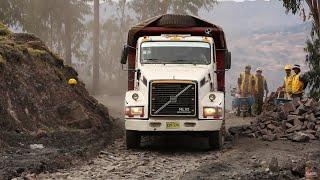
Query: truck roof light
[172, 35]
[206, 39]
[145, 38]
[175, 38]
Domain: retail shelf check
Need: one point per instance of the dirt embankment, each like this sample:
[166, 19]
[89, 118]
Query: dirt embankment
[45, 123]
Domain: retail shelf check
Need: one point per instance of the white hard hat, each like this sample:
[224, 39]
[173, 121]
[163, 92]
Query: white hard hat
[259, 69]
[296, 66]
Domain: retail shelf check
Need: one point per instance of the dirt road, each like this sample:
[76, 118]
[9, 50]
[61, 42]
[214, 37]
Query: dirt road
[185, 158]
[151, 162]
[171, 158]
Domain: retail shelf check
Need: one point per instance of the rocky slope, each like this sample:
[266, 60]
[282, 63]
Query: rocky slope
[38, 106]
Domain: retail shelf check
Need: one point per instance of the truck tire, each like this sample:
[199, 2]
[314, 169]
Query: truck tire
[133, 139]
[238, 113]
[215, 140]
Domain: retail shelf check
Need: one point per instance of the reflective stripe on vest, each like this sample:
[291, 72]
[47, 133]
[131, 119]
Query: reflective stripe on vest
[297, 85]
[288, 84]
[246, 83]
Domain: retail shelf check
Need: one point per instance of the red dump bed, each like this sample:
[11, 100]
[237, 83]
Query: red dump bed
[178, 24]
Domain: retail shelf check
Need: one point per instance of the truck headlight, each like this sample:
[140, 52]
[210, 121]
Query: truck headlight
[132, 111]
[215, 112]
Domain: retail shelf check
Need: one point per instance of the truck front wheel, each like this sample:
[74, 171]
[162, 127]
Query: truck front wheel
[133, 139]
[215, 140]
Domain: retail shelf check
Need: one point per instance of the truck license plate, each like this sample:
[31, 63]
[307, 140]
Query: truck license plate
[173, 125]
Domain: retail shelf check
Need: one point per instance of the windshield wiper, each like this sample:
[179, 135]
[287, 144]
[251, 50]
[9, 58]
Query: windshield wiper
[151, 59]
[188, 61]
[179, 60]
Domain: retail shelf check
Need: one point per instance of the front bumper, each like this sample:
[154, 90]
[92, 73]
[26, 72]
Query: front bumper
[161, 125]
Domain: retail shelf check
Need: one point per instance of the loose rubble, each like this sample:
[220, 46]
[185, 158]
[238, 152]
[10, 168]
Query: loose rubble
[117, 163]
[254, 159]
[297, 120]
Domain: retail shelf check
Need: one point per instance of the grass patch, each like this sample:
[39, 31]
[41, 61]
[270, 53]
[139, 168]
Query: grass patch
[51, 130]
[4, 30]
[6, 40]
[3, 38]
[2, 25]
[2, 61]
[59, 60]
[36, 52]
[10, 53]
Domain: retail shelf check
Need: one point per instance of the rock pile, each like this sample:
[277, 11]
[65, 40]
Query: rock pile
[297, 120]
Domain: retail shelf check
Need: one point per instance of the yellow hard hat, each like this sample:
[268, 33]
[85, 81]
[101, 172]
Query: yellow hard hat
[288, 67]
[72, 82]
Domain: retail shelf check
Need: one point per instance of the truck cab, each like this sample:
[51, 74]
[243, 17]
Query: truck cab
[174, 80]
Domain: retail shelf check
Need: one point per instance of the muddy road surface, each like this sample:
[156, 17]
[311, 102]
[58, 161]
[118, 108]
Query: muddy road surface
[152, 161]
[183, 157]
[171, 158]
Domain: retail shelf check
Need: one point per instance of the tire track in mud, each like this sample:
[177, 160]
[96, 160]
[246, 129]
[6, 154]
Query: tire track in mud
[164, 157]
[159, 158]
[153, 161]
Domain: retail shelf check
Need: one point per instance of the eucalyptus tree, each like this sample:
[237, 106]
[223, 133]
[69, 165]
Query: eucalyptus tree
[313, 44]
[59, 23]
[96, 46]
[146, 8]
[10, 11]
[113, 36]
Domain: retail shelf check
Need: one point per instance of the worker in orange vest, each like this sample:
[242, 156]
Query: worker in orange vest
[287, 84]
[299, 83]
[260, 88]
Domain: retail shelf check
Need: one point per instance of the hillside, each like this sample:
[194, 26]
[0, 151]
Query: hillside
[261, 34]
[44, 122]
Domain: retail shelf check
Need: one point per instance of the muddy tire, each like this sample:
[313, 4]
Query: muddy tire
[133, 139]
[238, 113]
[215, 140]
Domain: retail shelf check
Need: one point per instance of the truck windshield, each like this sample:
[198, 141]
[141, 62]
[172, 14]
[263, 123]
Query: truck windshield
[175, 52]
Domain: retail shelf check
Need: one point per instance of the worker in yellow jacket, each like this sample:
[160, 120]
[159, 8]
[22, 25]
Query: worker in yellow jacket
[299, 83]
[260, 88]
[287, 84]
[246, 84]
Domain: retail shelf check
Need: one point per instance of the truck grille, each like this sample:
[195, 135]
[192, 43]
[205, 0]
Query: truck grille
[173, 98]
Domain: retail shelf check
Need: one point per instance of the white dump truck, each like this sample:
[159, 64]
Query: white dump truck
[176, 79]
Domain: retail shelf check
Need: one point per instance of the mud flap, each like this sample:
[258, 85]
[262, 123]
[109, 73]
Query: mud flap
[133, 139]
[215, 140]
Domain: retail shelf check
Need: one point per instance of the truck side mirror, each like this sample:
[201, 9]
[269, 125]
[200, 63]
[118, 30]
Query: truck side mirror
[227, 60]
[124, 55]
